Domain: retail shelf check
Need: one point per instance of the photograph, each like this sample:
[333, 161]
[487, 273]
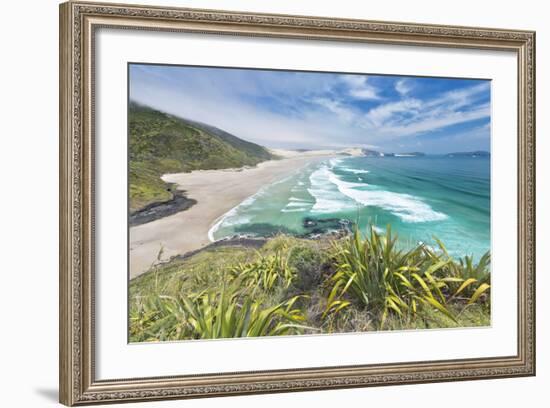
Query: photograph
[278, 202]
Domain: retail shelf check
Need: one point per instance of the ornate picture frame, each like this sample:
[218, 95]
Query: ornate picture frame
[79, 22]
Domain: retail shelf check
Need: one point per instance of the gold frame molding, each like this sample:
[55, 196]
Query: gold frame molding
[78, 22]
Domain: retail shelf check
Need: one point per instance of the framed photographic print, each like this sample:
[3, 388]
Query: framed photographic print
[264, 203]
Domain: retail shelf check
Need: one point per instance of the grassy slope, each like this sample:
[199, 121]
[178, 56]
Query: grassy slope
[314, 264]
[160, 143]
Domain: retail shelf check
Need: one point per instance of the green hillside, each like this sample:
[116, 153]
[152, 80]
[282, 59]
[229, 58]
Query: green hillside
[160, 143]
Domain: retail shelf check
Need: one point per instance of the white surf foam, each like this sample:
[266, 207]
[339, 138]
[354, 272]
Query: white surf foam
[231, 217]
[354, 171]
[407, 207]
[296, 204]
[289, 210]
[327, 198]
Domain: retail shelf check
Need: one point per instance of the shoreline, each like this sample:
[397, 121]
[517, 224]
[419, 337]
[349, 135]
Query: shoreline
[218, 221]
[152, 212]
[216, 193]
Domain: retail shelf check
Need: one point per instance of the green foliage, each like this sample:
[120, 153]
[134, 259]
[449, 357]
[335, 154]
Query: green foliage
[160, 143]
[146, 186]
[382, 279]
[213, 315]
[267, 272]
[300, 286]
[307, 262]
[237, 309]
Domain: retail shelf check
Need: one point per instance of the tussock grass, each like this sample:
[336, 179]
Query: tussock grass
[299, 286]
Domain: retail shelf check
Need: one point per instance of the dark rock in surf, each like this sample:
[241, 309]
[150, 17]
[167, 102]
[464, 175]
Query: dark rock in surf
[178, 202]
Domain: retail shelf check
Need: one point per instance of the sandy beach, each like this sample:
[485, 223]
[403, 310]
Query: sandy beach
[216, 192]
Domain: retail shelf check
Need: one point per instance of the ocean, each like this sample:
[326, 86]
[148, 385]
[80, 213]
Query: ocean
[420, 197]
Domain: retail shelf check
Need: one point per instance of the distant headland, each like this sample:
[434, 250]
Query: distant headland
[477, 153]
[376, 153]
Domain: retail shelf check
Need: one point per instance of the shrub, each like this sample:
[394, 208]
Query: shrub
[307, 263]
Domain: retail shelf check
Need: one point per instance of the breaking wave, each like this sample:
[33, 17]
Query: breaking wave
[327, 198]
[333, 194]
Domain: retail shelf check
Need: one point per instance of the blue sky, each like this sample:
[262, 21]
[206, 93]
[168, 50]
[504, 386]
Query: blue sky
[286, 109]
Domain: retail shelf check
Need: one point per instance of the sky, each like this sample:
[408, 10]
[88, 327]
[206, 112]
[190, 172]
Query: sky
[317, 110]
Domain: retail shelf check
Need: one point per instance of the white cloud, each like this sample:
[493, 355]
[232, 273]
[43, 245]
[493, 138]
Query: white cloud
[431, 123]
[460, 98]
[359, 88]
[343, 113]
[312, 129]
[303, 110]
[410, 116]
[403, 87]
[383, 113]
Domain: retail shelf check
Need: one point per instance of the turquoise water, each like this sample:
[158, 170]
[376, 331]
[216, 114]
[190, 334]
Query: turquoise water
[420, 197]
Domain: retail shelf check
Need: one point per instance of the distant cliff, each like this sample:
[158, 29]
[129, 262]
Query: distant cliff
[375, 153]
[477, 153]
